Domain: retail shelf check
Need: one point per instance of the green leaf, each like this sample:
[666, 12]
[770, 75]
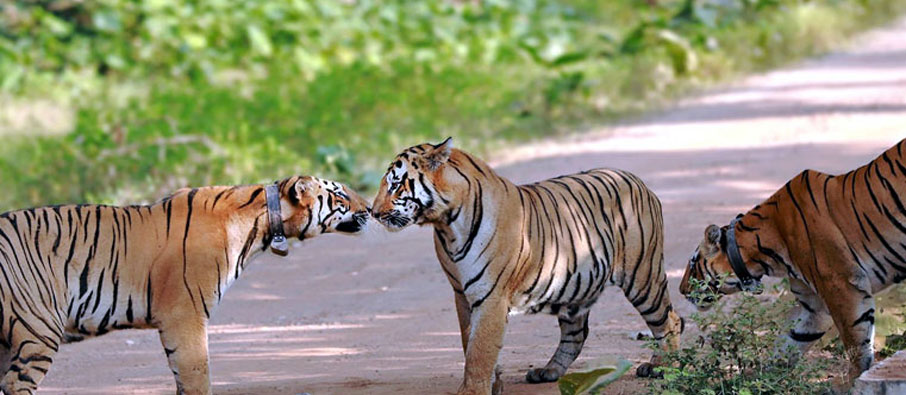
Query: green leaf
[594, 378]
[634, 42]
[11, 77]
[195, 40]
[107, 21]
[533, 53]
[261, 44]
[56, 25]
[114, 61]
[569, 57]
[681, 53]
[7, 50]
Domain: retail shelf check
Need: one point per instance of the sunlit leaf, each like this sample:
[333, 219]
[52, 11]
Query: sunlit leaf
[107, 21]
[55, 25]
[261, 44]
[115, 61]
[195, 41]
[594, 378]
[681, 53]
[568, 58]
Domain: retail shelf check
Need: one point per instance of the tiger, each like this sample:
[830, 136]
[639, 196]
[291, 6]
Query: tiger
[72, 271]
[548, 247]
[838, 239]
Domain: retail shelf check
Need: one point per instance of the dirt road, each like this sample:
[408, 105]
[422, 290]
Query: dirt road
[375, 314]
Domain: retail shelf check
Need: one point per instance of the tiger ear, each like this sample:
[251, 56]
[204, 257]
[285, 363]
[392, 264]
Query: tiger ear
[439, 154]
[302, 186]
[712, 234]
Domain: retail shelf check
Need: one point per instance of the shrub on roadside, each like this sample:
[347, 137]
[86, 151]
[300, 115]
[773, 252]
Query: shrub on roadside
[737, 353]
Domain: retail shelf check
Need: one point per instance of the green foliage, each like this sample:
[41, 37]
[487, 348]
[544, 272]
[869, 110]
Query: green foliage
[894, 343]
[737, 352]
[890, 322]
[169, 93]
[596, 376]
[196, 40]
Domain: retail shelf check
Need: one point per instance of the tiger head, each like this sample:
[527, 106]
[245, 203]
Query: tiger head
[415, 190]
[709, 265]
[317, 206]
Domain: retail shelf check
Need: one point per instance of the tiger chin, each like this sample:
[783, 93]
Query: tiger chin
[76, 271]
[838, 239]
[548, 247]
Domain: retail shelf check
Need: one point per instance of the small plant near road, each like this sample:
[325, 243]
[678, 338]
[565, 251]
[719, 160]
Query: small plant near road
[737, 353]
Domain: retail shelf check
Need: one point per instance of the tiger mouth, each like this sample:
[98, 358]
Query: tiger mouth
[702, 304]
[354, 225]
[393, 220]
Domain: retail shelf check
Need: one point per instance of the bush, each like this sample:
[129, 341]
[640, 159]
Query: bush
[736, 353]
[890, 323]
[197, 40]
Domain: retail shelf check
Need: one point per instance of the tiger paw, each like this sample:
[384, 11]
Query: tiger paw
[497, 386]
[542, 375]
[647, 370]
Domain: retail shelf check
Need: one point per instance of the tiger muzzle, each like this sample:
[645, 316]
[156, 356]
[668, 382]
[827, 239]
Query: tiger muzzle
[355, 224]
[392, 219]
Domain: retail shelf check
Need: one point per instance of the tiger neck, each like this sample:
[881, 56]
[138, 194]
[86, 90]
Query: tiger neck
[760, 244]
[247, 234]
[467, 229]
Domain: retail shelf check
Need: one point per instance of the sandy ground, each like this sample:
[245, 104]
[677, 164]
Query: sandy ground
[375, 314]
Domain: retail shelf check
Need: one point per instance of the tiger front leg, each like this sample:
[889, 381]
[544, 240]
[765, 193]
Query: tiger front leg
[487, 324]
[464, 314]
[810, 318]
[573, 332]
[186, 345]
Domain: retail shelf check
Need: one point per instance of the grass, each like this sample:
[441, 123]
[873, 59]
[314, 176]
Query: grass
[489, 75]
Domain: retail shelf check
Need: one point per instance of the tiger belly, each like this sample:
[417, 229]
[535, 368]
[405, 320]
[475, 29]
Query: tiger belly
[90, 316]
[579, 289]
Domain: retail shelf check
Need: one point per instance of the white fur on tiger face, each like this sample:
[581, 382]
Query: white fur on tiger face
[411, 196]
[332, 209]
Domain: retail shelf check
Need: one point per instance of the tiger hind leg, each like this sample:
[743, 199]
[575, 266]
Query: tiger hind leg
[28, 361]
[573, 332]
[665, 324]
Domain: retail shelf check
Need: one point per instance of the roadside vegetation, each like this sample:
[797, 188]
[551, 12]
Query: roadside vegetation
[157, 95]
[737, 351]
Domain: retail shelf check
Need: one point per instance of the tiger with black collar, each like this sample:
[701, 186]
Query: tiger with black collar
[838, 239]
[83, 270]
